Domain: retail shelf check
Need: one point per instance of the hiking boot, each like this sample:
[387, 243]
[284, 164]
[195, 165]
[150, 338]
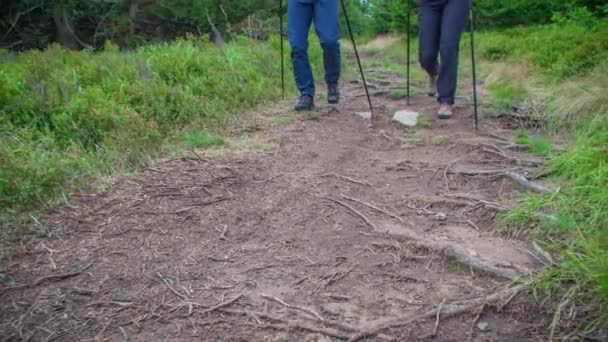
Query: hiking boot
[333, 94]
[305, 102]
[432, 91]
[445, 111]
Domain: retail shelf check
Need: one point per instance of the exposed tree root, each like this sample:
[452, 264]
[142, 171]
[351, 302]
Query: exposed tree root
[517, 178]
[446, 311]
[456, 252]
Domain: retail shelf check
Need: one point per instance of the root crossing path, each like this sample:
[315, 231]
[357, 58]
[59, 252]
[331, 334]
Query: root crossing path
[336, 232]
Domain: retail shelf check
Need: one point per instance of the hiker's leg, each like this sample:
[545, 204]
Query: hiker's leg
[328, 30]
[299, 16]
[429, 26]
[453, 20]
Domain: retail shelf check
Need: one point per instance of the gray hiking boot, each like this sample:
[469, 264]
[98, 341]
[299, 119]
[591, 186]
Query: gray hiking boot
[333, 94]
[445, 111]
[304, 103]
[432, 91]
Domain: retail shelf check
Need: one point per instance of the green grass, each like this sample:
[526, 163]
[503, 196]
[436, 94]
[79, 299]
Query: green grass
[68, 117]
[202, 140]
[539, 146]
[505, 96]
[422, 122]
[572, 224]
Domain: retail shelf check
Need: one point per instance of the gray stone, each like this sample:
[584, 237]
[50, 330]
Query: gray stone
[406, 117]
[364, 115]
[440, 217]
[483, 326]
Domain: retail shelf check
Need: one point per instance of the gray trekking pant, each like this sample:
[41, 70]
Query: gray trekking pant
[441, 23]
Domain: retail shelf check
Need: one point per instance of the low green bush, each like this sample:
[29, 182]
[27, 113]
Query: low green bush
[66, 116]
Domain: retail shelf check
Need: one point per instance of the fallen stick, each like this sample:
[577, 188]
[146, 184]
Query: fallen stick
[52, 277]
[446, 310]
[437, 318]
[355, 211]
[517, 178]
[223, 304]
[333, 174]
[294, 307]
[395, 216]
[200, 204]
[524, 182]
[458, 253]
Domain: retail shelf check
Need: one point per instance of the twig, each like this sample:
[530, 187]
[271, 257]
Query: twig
[17, 17]
[358, 213]
[543, 253]
[333, 174]
[470, 222]
[448, 311]
[395, 216]
[488, 204]
[164, 281]
[223, 304]
[437, 319]
[200, 204]
[475, 320]
[223, 235]
[493, 149]
[335, 277]
[517, 178]
[294, 307]
[52, 277]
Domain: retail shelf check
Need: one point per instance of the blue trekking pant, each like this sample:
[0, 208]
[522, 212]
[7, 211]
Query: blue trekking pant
[441, 23]
[300, 14]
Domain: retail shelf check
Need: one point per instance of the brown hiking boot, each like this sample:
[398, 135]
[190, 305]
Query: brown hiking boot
[445, 111]
[432, 91]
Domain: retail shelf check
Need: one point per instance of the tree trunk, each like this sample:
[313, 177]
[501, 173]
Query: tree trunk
[133, 9]
[64, 35]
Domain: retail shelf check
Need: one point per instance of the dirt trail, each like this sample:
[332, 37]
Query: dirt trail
[338, 230]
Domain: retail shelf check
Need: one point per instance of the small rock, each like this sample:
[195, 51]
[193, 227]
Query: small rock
[365, 115]
[440, 217]
[483, 326]
[406, 117]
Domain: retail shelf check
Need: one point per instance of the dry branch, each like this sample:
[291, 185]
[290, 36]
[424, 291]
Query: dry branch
[517, 178]
[446, 310]
[358, 213]
[395, 216]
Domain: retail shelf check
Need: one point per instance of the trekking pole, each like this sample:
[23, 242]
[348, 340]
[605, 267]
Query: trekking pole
[472, 29]
[282, 50]
[352, 38]
[408, 60]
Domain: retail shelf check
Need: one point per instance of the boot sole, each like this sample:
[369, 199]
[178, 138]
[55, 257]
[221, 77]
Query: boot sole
[307, 109]
[444, 116]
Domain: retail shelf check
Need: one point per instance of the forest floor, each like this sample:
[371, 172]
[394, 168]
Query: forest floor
[328, 229]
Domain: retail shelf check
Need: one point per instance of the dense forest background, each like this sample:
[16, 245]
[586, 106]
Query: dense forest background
[27, 24]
